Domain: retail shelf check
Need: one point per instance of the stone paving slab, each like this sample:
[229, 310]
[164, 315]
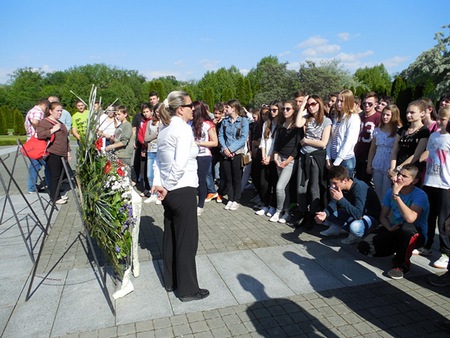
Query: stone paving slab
[266, 279]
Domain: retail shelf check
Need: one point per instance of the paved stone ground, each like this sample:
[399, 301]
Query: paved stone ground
[266, 280]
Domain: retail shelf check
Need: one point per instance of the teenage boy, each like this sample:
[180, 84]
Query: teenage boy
[79, 120]
[370, 119]
[408, 228]
[354, 207]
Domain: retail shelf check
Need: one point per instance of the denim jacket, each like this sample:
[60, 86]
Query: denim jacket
[233, 135]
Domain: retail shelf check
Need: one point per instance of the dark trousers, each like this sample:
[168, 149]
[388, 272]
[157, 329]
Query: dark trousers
[203, 165]
[55, 167]
[400, 242]
[361, 173]
[180, 240]
[255, 173]
[440, 210]
[233, 176]
[269, 178]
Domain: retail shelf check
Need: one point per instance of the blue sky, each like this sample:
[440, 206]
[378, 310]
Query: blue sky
[188, 38]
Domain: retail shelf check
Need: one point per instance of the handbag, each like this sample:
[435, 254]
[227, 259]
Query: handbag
[37, 149]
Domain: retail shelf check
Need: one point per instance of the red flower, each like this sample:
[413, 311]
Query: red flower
[99, 144]
[107, 167]
[121, 172]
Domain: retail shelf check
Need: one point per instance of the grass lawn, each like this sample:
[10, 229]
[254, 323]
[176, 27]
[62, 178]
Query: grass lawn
[11, 140]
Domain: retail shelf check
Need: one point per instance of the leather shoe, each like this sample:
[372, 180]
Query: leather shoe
[200, 294]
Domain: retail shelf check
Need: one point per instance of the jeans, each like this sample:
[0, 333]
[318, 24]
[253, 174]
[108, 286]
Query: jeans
[151, 158]
[358, 227]
[381, 182]
[282, 190]
[33, 173]
[210, 182]
[203, 164]
[350, 164]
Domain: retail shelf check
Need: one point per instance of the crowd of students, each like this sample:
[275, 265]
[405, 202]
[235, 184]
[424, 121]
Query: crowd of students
[348, 163]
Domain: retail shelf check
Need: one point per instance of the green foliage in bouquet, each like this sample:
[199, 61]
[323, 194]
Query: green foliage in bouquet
[105, 195]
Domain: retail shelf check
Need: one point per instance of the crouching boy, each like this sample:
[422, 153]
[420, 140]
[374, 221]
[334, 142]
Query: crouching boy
[408, 230]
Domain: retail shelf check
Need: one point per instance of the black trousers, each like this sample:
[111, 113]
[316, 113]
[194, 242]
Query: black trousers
[55, 167]
[180, 240]
[233, 175]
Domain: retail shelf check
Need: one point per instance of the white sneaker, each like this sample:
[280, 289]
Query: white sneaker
[158, 202]
[333, 230]
[351, 239]
[61, 201]
[199, 211]
[151, 199]
[234, 206]
[285, 218]
[228, 206]
[262, 211]
[275, 217]
[422, 251]
[271, 212]
[442, 262]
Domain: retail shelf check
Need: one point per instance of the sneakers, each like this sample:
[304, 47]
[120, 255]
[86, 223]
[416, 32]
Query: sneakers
[333, 230]
[234, 206]
[199, 211]
[228, 206]
[211, 196]
[422, 251]
[398, 273]
[262, 211]
[219, 199]
[158, 202]
[275, 217]
[271, 212]
[31, 192]
[285, 218]
[351, 239]
[441, 281]
[61, 201]
[442, 262]
[151, 199]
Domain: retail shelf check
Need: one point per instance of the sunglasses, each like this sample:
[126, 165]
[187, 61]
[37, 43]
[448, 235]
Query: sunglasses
[370, 104]
[274, 110]
[191, 105]
[312, 104]
[287, 108]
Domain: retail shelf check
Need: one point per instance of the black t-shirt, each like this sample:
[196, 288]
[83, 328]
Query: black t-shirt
[407, 144]
[287, 142]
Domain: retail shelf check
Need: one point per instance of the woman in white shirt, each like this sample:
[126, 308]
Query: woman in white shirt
[344, 133]
[176, 183]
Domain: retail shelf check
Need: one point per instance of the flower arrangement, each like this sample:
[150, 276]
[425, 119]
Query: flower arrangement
[105, 196]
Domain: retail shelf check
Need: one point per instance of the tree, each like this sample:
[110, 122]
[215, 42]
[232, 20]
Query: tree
[273, 81]
[243, 91]
[208, 97]
[434, 65]
[25, 88]
[227, 95]
[3, 128]
[326, 78]
[19, 128]
[375, 78]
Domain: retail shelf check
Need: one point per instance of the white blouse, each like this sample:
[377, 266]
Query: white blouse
[176, 164]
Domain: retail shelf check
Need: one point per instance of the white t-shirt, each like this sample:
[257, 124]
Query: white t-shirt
[437, 173]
